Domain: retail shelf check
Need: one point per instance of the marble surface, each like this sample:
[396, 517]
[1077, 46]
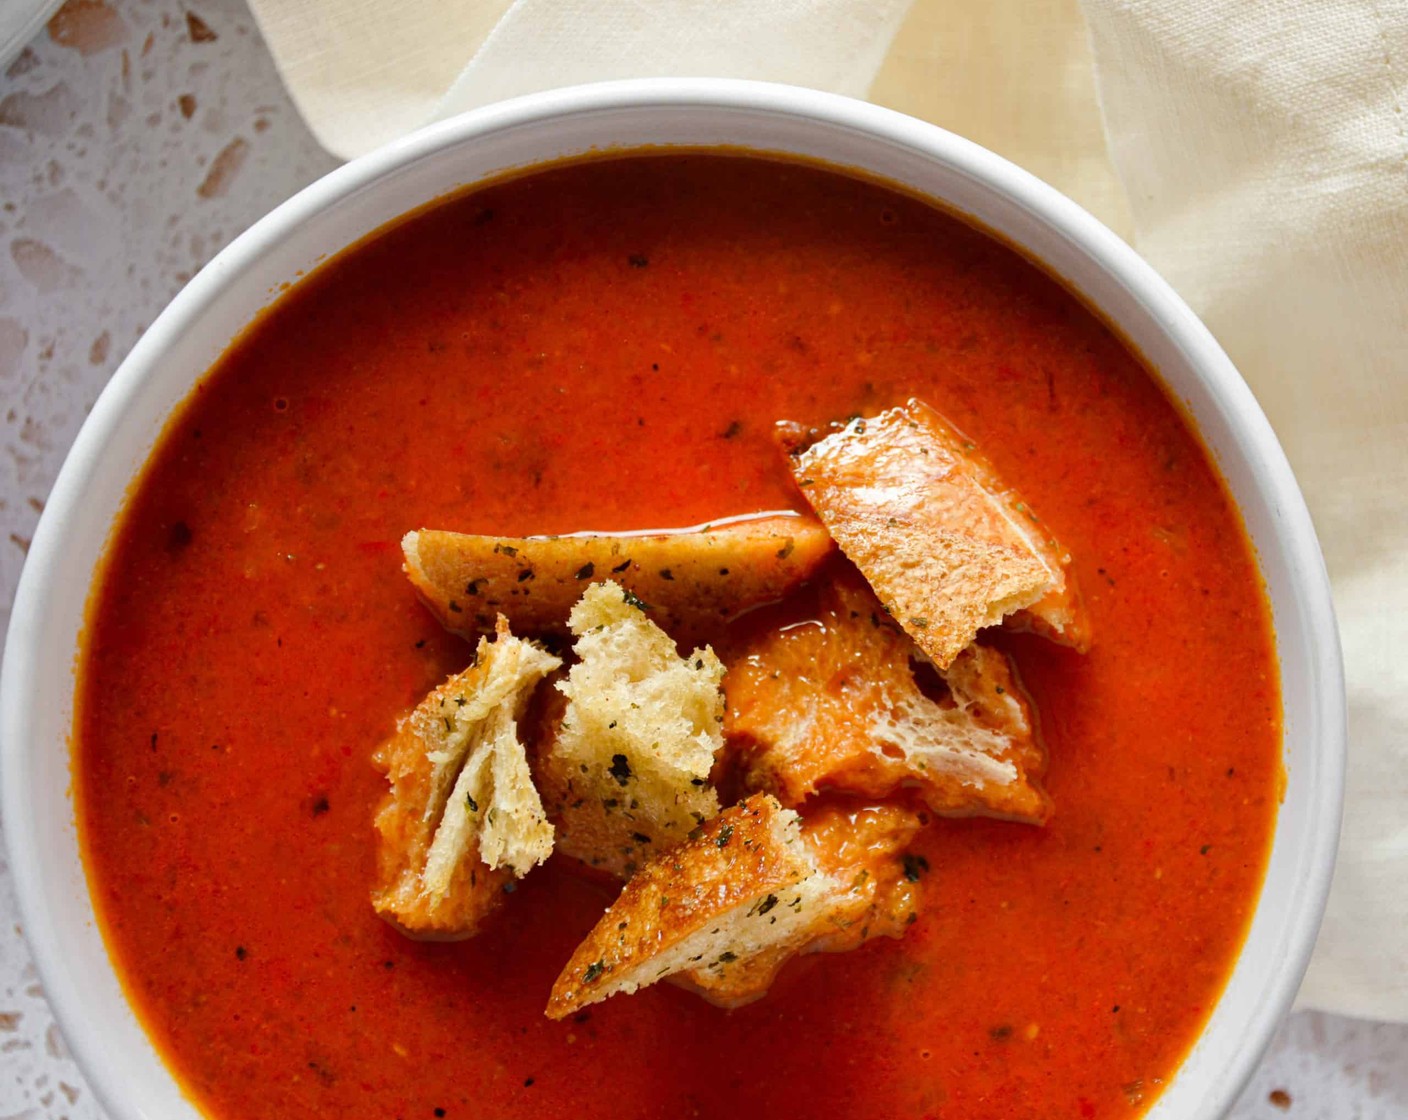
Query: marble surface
[135, 140]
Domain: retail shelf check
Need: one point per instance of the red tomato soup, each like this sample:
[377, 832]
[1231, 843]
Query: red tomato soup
[607, 345]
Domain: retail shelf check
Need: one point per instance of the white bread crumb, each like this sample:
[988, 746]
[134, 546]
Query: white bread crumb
[626, 771]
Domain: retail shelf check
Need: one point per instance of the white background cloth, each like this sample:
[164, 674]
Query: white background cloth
[366, 71]
[135, 143]
[1256, 152]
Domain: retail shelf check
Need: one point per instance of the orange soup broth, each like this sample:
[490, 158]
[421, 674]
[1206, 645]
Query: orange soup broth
[607, 345]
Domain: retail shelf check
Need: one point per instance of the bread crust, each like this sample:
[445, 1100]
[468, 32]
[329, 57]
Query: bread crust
[753, 888]
[746, 853]
[947, 546]
[860, 851]
[692, 579]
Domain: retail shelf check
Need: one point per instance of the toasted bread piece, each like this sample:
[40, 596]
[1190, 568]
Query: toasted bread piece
[724, 911]
[875, 890]
[837, 703]
[694, 907]
[463, 815]
[948, 548]
[692, 579]
[625, 769]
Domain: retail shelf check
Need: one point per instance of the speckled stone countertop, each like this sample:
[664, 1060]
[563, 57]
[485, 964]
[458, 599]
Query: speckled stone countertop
[135, 141]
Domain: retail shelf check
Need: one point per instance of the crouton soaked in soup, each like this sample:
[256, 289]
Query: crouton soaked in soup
[835, 702]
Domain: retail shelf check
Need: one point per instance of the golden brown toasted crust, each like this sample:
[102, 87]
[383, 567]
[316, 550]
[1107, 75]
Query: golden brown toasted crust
[623, 762]
[948, 548]
[837, 703]
[691, 579]
[462, 816]
[747, 854]
[723, 912]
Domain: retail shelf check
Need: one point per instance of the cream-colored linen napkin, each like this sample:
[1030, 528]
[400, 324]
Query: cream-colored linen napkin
[1257, 154]
[364, 72]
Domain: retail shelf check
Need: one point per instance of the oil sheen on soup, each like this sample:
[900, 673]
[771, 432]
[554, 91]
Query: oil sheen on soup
[606, 345]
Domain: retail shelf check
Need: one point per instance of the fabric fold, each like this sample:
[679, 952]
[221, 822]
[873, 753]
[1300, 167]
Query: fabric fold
[366, 72]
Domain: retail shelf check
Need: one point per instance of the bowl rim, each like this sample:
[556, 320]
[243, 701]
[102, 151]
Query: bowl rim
[1230, 394]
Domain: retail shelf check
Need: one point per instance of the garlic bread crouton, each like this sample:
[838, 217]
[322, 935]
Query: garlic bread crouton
[462, 815]
[695, 907]
[948, 548]
[625, 771]
[723, 912]
[845, 702]
[693, 579]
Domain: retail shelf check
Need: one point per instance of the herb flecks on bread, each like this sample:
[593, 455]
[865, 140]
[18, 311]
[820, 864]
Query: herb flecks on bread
[864, 884]
[624, 770]
[692, 578]
[946, 545]
[841, 702]
[462, 817]
[752, 888]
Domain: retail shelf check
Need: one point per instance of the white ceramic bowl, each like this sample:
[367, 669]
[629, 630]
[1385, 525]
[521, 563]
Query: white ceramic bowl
[36, 692]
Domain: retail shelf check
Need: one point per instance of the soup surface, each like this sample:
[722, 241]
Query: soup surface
[606, 345]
